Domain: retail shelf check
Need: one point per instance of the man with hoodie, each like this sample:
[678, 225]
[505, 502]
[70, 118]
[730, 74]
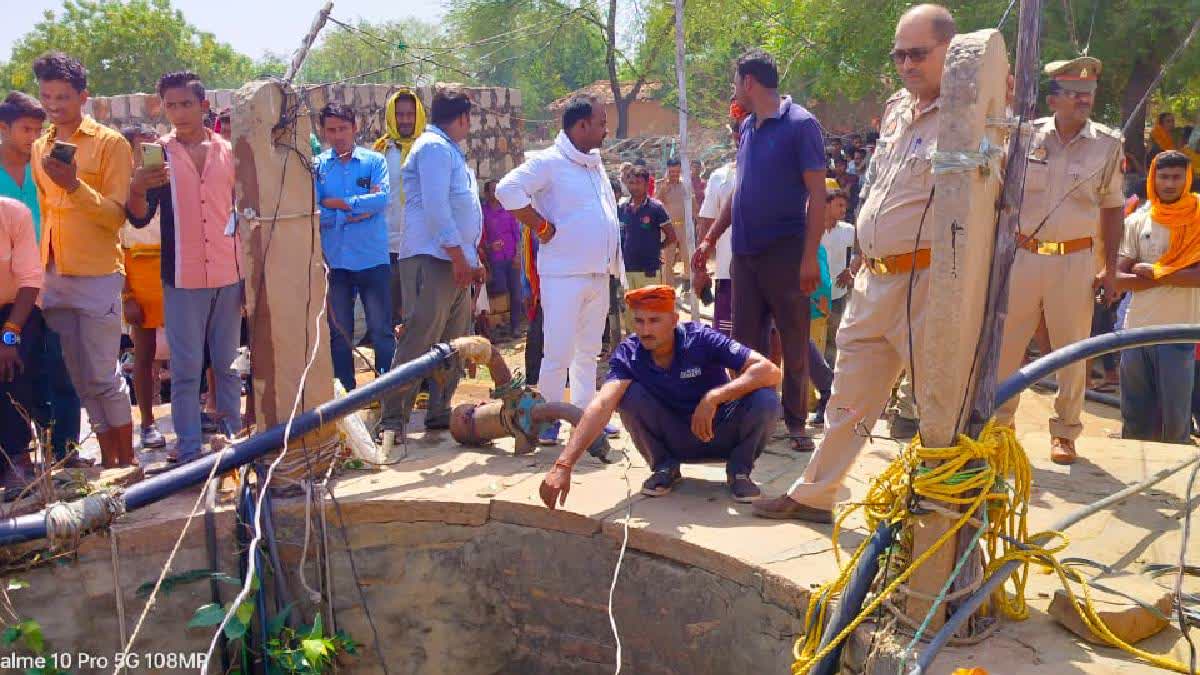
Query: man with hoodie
[404, 118]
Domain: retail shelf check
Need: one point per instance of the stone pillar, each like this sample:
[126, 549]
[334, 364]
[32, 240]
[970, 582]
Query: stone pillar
[963, 222]
[282, 259]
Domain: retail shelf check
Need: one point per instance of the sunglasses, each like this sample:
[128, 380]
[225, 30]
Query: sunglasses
[916, 54]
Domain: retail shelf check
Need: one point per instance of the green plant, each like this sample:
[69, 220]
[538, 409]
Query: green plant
[303, 651]
[306, 651]
[28, 633]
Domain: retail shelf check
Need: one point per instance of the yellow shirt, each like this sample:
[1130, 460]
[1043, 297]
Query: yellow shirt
[80, 230]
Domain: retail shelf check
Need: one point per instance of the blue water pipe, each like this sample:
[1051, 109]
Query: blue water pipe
[33, 526]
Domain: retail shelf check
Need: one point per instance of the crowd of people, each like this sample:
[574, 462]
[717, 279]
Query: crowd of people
[810, 250]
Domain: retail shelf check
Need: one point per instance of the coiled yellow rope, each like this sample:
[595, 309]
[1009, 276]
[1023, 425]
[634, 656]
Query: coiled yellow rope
[1001, 484]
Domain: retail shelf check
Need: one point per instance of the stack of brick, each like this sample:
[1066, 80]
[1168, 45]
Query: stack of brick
[495, 146]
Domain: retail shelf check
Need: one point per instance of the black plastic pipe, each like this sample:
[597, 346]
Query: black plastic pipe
[854, 596]
[33, 526]
[1086, 349]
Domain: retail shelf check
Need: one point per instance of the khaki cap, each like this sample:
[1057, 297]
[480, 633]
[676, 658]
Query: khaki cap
[1076, 74]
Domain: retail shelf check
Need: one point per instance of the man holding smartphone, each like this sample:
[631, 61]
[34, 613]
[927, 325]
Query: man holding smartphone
[82, 171]
[201, 272]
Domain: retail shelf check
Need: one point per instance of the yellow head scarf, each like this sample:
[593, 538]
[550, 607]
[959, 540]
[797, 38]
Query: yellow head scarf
[391, 134]
[1182, 218]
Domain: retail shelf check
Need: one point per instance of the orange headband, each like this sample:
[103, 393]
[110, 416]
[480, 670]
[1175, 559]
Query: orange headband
[658, 298]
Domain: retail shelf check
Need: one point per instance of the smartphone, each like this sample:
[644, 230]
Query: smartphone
[152, 155]
[63, 152]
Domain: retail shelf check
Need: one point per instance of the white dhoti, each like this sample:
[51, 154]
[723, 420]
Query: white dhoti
[574, 309]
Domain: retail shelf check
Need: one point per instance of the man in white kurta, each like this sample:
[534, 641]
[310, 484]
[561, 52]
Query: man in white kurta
[563, 195]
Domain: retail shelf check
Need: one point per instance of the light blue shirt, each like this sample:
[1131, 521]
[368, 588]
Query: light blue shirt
[26, 193]
[441, 206]
[356, 239]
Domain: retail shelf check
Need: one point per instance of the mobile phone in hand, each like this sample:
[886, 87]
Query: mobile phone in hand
[152, 155]
[63, 152]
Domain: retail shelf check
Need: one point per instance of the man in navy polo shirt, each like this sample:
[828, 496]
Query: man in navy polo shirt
[644, 223]
[671, 385]
[780, 191]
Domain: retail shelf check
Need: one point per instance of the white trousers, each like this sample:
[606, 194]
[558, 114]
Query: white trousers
[574, 309]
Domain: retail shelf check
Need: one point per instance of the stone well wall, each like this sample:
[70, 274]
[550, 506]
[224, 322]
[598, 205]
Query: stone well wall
[495, 146]
[452, 588]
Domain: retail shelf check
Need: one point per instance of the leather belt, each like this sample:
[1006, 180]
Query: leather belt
[899, 264]
[1055, 247]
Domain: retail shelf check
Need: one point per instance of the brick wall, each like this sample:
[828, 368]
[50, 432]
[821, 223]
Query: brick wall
[495, 146]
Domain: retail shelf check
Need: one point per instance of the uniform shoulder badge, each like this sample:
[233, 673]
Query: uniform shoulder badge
[1105, 130]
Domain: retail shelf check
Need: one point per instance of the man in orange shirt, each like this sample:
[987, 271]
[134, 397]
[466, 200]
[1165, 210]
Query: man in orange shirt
[82, 195]
[20, 336]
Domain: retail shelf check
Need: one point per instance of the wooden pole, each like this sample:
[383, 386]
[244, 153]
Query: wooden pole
[962, 226]
[981, 389]
[282, 258]
[1005, 249]
[689, 228]
[307, 43]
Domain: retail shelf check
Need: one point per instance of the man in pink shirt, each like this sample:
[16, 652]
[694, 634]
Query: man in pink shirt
[202, 278]
[20, 336]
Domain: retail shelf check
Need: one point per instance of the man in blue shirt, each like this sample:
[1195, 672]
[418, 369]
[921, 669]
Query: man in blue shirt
[671, 385]
[778, 215]
[439, 257]
[644, 224]
[352, 191]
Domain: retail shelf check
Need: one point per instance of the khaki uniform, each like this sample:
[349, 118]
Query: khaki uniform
[873, 340]
[1067, 183]
[672, 196]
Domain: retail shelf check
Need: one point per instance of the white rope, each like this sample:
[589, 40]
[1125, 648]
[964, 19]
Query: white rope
[612, 589]
[251, 568]
[313, 595]
[121, 660]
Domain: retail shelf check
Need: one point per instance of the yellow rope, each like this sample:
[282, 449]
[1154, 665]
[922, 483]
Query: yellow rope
[1000, 484]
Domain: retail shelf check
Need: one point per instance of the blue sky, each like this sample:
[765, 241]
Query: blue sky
[251, 26]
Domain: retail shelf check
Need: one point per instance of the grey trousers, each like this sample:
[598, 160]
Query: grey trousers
[194, 317]
[86, 314]
[435, 310]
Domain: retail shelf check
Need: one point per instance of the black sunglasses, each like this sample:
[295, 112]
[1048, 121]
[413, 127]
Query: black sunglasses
[916, 54]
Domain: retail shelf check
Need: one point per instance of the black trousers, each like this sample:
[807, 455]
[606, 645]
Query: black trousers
[15, 433]
[766, 286]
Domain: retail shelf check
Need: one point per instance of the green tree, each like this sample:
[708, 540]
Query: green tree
[548, 48]
[831, 49]
[396, 49]
[125, 46]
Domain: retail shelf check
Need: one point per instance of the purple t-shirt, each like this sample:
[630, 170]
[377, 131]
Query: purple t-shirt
[770, 200]
[500, 226]
[702, 357]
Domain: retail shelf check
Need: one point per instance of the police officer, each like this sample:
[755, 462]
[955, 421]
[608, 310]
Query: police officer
[1070, 228]
[879, 322]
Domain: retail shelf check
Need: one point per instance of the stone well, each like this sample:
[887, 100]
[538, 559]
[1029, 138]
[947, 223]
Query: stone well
[462, 573]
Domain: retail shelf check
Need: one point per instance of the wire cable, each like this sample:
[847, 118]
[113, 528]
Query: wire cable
[1180, 609]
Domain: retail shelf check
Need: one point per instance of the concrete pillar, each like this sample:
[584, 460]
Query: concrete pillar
[282, 261]
[963, 225]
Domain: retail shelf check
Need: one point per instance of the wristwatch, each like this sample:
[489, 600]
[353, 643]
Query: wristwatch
[10, 338]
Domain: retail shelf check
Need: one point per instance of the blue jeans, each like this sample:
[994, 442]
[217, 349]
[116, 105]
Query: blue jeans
[57, 404]
[1156, 393]
[195, 318]
[374, 286]
[664, 436]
